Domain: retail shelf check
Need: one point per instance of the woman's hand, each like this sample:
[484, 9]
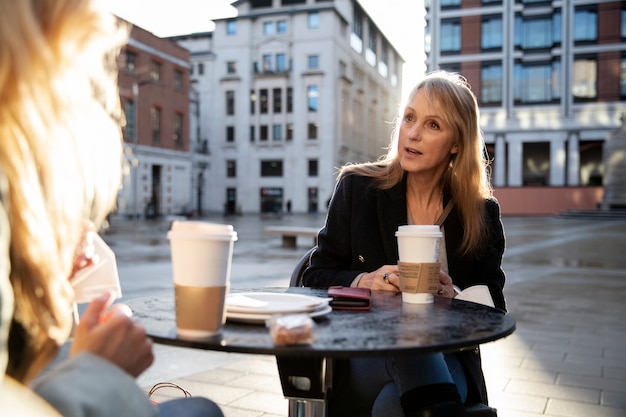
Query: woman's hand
[113, 335]
[384, 278]
[446, 287]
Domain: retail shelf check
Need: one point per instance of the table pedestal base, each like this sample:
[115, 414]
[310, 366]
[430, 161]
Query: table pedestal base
[306, 383]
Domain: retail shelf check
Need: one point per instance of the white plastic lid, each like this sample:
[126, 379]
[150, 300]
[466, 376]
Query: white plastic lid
[201, 230]
[419, 230]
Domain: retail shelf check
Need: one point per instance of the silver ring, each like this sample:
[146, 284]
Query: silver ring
[386, 277]
[440, 292]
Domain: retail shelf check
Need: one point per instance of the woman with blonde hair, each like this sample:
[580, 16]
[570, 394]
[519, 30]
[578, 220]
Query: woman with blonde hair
[435, 172]
[61, 166]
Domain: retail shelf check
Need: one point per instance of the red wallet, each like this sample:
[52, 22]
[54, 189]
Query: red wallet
[350, 298]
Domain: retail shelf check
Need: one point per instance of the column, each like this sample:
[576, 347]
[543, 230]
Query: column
[557, 161]
[499, 175]
[514, 169]
[573, 160]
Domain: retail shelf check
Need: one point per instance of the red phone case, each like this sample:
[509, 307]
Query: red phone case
[350, 298]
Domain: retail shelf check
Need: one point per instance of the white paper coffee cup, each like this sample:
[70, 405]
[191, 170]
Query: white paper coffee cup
[418, 250]
[201, 263]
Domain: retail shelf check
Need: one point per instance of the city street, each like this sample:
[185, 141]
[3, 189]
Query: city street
[566, 278]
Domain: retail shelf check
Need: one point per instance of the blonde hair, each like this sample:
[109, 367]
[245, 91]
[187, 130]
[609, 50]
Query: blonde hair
[466, 178]
[61, 153]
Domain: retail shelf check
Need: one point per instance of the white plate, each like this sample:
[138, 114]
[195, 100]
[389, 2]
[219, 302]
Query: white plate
[269, 303]
[257, 318]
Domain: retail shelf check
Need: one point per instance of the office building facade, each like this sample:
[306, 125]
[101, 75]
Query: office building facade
[550, 77]
[288, 91]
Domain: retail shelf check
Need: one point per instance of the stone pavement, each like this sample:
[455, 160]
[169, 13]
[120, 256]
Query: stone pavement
[566, 281]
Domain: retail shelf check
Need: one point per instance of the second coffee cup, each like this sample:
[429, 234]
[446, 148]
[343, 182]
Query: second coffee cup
[418, 264]
[201, 262]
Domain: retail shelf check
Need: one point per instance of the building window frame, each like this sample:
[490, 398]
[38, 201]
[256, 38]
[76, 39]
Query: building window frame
[230, 134]
[230, 102]
[155, 122]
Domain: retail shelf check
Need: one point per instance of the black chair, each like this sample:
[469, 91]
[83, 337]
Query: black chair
[471, 410]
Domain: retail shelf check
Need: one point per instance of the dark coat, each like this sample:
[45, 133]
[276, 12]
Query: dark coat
[359, 236]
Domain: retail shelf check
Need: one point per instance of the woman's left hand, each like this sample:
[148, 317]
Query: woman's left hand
[446, 287]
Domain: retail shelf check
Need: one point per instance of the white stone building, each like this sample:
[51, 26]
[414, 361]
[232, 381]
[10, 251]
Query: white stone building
[288, 91]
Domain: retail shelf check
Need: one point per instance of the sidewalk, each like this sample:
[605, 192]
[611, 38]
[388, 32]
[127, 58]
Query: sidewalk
[566, 279]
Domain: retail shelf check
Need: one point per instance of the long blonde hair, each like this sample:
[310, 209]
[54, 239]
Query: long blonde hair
[61, 153]
[467, 176]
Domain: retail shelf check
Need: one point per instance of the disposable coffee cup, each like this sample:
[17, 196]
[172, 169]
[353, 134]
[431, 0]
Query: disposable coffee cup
[418, 264]
[202, 255]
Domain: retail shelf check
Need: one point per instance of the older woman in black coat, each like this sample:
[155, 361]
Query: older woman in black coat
[434, 173]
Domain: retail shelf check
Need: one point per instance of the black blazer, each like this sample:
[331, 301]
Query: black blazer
[359, 236]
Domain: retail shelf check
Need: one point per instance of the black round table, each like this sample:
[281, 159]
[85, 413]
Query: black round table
[390, 327]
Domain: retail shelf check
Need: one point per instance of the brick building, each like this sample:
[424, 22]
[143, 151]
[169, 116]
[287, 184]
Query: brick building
[154, 91]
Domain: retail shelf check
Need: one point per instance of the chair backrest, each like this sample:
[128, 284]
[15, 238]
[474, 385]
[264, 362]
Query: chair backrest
[298, 270]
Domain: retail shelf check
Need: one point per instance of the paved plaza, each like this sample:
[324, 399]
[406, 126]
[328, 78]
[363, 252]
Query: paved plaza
[566, 281]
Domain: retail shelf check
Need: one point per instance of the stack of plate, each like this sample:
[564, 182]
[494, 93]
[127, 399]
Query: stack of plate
[257, 307]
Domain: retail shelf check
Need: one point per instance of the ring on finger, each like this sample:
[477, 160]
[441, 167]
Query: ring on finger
[386, 277]
[440, 292]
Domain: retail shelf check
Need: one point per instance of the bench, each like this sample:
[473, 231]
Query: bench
[290, 234]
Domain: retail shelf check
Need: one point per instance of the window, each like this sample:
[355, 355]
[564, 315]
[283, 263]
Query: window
[383, 70]
[450, 36]
[536, 160]
[586, 25]
[491, 37]
[155, 71]
[450, 3]
[623, 31]
[264, 100]
[370, 52]
[231, 168]
[178, 80]
[584, 78]
[155, 122]
[201, 69]
[267, 63]
[230, 134]
[272, 168]
[491, 84]
[289, 99]
[231, 27]
[312, 167]
[356, 37]
[281, 26]
[536, 83]
[252, 101]
[281, 63]
[313, 61]
[263, 133]
[277, 94]
[129, 113]
[178, 130]
[312, 95]
[312, 131]
[268, 28]
[252, 134]
[131, 61]
[313, 21]
[289, 131]
[230, 102]
[277, 133]
[231, 67]
[537, 31]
